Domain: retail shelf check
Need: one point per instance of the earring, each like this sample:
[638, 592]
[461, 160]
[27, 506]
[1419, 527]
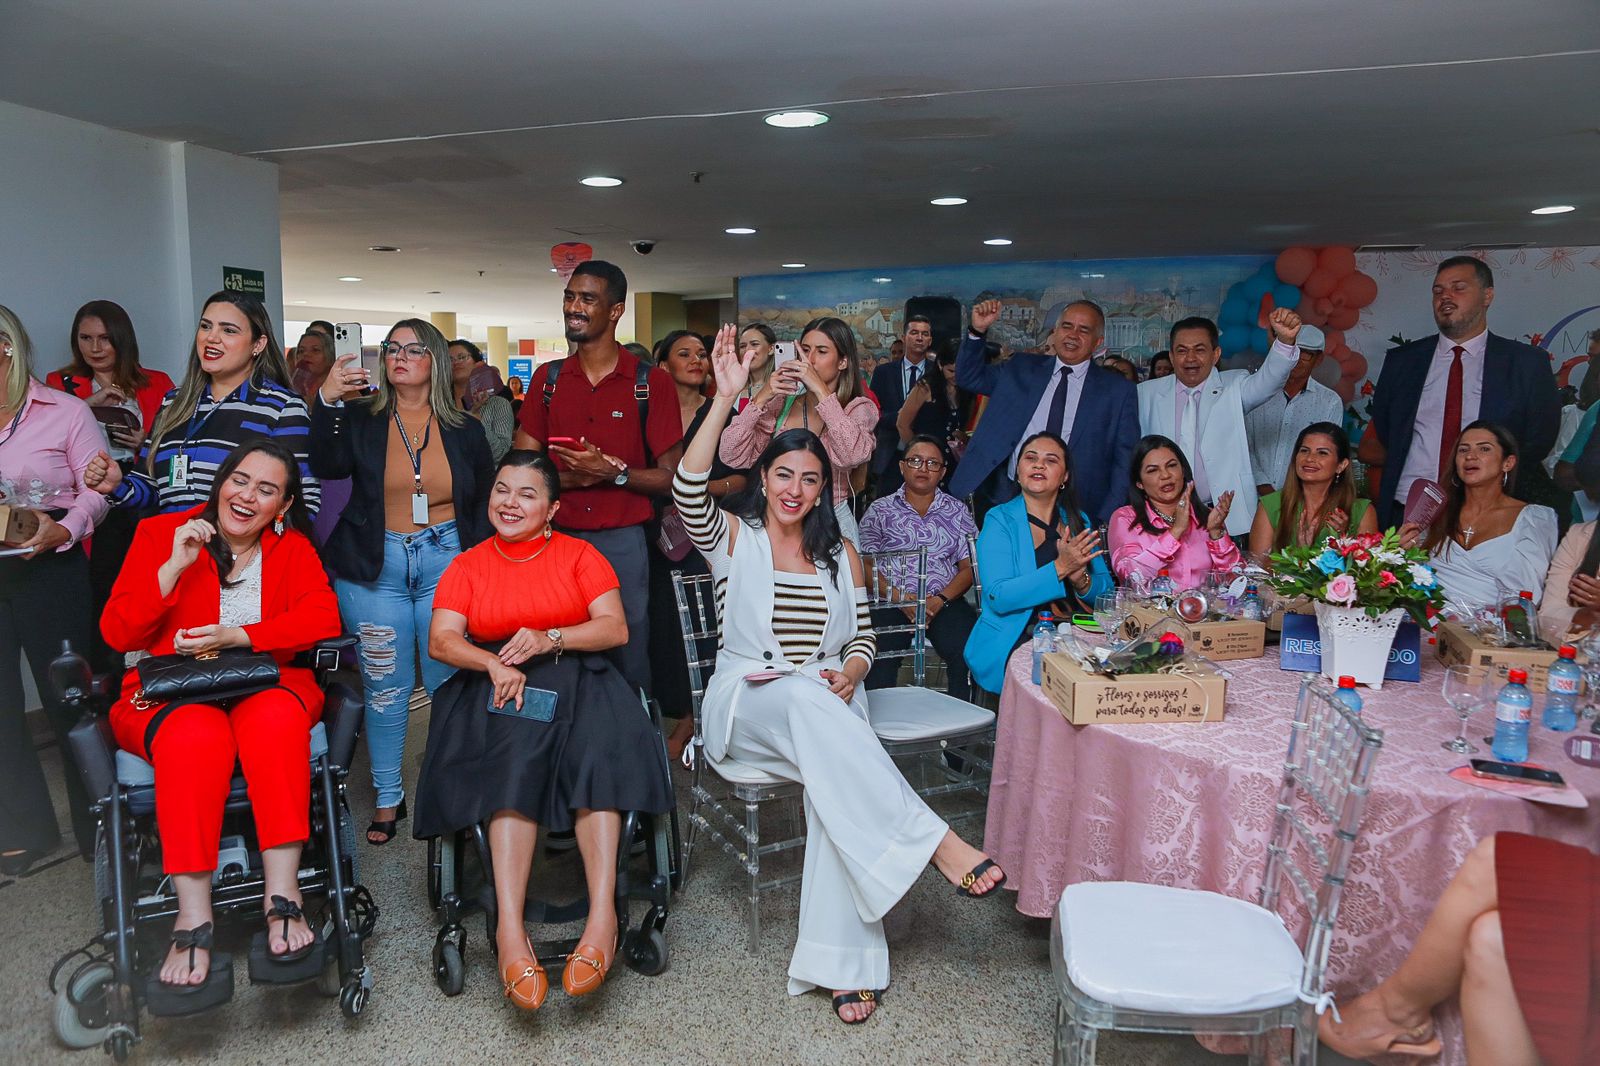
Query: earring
[548, 532]
[277, 525]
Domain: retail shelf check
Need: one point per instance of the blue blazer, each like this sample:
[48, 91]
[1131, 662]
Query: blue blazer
[1519, 393]
[1103, 433]
[1013, 589]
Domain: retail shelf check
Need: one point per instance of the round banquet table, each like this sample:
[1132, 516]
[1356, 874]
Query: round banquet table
[1191, 805]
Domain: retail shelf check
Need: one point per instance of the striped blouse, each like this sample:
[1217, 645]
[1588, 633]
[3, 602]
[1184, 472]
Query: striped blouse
[799, 605]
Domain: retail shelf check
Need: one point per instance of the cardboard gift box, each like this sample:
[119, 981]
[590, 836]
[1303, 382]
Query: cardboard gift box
[1457, 644]
[1230, 638]
[1084, 698]
[17, 525]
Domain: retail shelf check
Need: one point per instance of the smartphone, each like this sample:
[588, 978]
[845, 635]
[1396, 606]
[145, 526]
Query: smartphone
[784, 351]
[1527, 775]
[570, 443]
[538, 705]
[347, 341]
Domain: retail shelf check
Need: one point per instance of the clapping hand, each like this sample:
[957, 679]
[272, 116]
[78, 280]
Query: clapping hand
[1583, 591]
[1077, 552]
[1216, 521]
[984, 315]
[102, 475]
[1285, 325]
[1182, 515]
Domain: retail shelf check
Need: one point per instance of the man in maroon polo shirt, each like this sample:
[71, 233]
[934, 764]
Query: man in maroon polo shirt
[611, 464]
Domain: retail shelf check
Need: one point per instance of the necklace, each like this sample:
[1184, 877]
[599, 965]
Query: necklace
[513, 559]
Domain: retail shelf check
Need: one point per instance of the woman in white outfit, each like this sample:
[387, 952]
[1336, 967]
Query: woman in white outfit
[787, 698]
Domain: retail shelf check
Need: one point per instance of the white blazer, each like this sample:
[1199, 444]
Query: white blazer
[1224, 399]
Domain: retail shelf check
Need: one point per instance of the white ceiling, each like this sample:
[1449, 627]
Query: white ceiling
[1075, 127]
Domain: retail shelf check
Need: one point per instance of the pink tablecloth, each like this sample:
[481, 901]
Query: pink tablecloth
[1191, 806]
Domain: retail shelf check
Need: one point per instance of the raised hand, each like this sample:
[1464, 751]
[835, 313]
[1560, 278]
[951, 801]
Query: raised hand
[1216, 521]
[1183, 514]
[732, 372]
[102, 475]
[1075, 553]
[1285, 325]
[345, 382]
[984, 315]
[188, 541]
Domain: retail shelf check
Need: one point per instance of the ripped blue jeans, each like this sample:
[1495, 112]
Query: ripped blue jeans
[390, 617]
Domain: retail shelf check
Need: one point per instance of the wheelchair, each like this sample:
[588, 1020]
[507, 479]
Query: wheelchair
[101, 989]
[649, 871]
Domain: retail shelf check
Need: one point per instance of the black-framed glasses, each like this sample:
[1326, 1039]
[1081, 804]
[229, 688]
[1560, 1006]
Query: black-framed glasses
[414, 352]
[919, 463]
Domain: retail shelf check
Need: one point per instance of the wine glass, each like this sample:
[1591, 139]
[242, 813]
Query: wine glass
[1110, 612]
[1466, 691]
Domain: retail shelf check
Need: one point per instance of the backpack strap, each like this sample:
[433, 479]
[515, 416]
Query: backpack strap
[641, 397]
[552, 371]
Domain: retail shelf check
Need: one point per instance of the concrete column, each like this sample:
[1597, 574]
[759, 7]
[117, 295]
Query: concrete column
[499, 348]
[445, 321]
[655, 314]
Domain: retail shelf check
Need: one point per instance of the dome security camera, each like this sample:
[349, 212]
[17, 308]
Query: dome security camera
[643, 247]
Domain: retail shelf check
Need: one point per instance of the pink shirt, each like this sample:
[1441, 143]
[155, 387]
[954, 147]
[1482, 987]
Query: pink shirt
[846, 433]
[51, 444]
[1187, 561]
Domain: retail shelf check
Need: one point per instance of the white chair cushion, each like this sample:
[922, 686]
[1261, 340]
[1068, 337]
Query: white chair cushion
[910, 713]
[1175, 950]
[737, 773]
[134, 772]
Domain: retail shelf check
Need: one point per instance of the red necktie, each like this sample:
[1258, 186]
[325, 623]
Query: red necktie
[1452, 417]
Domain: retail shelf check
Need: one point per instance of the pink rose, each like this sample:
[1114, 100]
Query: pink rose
[1385, 579]
[1342, 589]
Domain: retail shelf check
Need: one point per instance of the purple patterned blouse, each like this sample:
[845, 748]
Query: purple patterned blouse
[891, 524]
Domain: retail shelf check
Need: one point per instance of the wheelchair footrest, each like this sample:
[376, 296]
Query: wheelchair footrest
[265, 969]
[171, 1001]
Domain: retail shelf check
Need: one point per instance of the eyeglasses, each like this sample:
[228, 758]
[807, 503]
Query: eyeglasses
[414, 352]
[919, 463]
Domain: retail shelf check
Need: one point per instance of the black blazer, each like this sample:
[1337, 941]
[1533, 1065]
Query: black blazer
[1519, 393]
[889, 386]
[352, 442]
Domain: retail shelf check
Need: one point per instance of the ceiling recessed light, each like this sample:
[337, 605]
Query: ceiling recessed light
[792, 266]
[998, 242]
[795, 120]
[883, 281]
[382, 248]
[1554, 209]
[349, 277]
[739, 231]
[299, 301]
[600, 181]
[948, 201]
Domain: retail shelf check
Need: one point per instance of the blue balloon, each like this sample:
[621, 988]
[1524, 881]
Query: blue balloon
[1260, 339]
[1235, 312]
[1255, 287]
[1286, 295]
[1235, 337]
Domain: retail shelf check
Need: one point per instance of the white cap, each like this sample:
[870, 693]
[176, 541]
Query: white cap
[1311, 337]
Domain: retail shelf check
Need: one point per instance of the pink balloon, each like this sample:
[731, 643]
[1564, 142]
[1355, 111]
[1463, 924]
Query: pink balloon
[1335, 339]
[1320, 283]
[1343, 317]
[1358, 289]
[1337, 260]
[1296, 264]
[566, 256]
[1324, 306]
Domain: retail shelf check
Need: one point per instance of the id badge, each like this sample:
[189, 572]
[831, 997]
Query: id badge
[178, 473]
[419, 508]
[538, 705]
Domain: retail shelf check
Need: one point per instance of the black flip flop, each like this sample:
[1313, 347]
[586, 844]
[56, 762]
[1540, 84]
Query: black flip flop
[288, 910]
[190, 940]
[387, 827]
[971, 878]
[865, 995]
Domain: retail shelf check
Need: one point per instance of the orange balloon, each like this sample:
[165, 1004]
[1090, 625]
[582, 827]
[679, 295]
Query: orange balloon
[1359, 289]
[1296, 264]
[1337, 300]
[1324, 306]
[1335, 339]
[1311, 317]
[1337, 260]
[1343, 317]
[1320, 283]
[1307, 303]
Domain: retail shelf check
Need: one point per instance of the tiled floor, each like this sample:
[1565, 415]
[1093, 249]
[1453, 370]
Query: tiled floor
[971, 985]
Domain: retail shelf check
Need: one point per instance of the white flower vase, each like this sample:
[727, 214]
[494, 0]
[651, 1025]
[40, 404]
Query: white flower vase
[1355, 644]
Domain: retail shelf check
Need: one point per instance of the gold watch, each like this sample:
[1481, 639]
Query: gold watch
[555, 639]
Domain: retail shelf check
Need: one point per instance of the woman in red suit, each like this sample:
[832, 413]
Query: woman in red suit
[237, 572]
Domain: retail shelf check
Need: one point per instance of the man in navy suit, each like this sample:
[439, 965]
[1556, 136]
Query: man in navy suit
[1430, 388]
[892, 382]
[1095, 410]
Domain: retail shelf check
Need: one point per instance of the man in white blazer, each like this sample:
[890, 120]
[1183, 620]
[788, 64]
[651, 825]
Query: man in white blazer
[1203, 409]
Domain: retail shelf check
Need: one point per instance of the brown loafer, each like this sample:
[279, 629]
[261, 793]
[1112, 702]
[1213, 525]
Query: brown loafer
[593, 974]
[525, 982]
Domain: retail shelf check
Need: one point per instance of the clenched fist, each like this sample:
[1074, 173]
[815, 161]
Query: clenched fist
[984, 315]
[1285, 325]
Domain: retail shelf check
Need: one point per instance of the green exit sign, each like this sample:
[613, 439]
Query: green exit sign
[238, 279]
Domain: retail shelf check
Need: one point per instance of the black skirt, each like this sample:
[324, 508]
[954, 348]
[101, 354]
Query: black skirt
[601, 752]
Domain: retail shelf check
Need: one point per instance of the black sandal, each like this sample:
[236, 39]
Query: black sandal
[865, 995]
[287, 910]
[17, 863]
[387, 828]
[190, 940]
[971, 878]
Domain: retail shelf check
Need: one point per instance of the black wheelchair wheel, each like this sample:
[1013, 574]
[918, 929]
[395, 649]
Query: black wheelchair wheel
[121, 1045]
[449, 965]
[646, 951]
[353, 1000]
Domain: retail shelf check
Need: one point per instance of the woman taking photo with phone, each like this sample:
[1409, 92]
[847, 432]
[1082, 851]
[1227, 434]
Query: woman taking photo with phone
[537, 727]
[47, 440]
[236, 387]
[820, 391]
[420, 473]
[757, 340]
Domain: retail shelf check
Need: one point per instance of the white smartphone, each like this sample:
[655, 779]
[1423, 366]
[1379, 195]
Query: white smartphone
[346, 339]
[784, 351]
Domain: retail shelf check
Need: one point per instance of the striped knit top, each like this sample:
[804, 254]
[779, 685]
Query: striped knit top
[252, 410]
[799, 605]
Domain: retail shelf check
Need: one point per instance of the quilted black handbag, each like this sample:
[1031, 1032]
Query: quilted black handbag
[208, 678]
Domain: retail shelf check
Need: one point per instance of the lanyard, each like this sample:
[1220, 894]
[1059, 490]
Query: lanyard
[415, 454]
[11, 430]
[788, 405]
[191, 429]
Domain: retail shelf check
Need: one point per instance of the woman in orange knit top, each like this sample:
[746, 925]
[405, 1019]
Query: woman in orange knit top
[237, 572]
[537, 726]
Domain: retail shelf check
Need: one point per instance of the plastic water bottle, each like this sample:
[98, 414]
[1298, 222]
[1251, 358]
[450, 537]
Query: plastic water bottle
[1561, 692]
[1162, 589]
[1347, 694]
[1044, 642]
[1513, 712]
[1251, 609]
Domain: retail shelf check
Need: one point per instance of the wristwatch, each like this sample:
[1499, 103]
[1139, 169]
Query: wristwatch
[555, 639]
[621, 478]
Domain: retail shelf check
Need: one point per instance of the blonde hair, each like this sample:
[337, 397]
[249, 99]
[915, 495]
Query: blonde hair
[441, 393]
[20, 370]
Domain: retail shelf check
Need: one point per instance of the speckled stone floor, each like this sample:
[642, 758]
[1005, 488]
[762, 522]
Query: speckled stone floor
[971, 985]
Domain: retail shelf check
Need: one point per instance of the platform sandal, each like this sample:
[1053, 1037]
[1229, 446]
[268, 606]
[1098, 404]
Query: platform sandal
[865, 995]
[387, 827]
[287, 910]
[191, 940]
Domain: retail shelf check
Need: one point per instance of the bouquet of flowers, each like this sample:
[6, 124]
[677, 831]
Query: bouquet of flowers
[1370, 570]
